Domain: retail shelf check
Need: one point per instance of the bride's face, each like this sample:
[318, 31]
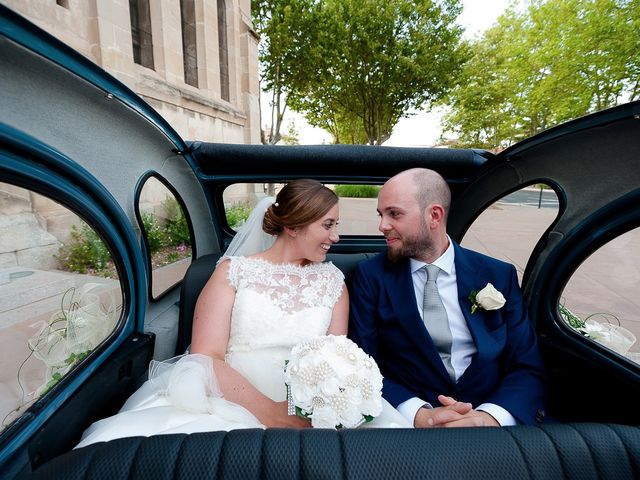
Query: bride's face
[316, 239]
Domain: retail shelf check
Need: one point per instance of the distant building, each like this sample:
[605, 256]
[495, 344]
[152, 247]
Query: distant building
[194, 61]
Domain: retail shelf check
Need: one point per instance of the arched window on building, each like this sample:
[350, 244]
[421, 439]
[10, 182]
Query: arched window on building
[223, 49]
[189, 50]
[141, 32]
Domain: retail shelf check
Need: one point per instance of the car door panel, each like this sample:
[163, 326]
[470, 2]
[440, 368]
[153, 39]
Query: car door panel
[591, 164]
[28, 163]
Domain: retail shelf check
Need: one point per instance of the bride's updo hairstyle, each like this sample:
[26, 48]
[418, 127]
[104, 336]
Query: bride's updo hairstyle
[299, 203]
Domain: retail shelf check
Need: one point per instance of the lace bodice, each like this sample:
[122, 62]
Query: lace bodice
[278, 305]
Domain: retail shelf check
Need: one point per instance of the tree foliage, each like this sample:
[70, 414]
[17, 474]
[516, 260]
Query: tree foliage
[355, 67]
[536, 68]
[286, 33]
[291, 136]
[378, 59]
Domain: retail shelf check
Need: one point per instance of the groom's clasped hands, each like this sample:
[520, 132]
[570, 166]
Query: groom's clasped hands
[453, 413]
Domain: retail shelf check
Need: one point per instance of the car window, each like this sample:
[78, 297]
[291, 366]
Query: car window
[510, 228]
[167, 234]
[358, 203]
[601, 298]
[60, 296]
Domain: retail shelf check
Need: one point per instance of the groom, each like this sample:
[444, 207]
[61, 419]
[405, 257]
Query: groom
[446, 361]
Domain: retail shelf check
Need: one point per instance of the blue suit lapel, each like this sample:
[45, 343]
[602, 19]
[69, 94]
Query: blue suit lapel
[399, 285]
[471, 276]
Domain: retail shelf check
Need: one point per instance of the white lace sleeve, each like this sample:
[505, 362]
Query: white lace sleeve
[233, 274]
[335, 286]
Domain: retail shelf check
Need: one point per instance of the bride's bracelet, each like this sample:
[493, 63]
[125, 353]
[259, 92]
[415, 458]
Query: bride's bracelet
[291, 408]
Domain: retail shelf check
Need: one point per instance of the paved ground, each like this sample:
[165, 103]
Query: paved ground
[532, 197]
[28, 298]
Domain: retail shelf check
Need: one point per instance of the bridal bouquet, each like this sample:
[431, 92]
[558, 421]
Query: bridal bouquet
[331, 381]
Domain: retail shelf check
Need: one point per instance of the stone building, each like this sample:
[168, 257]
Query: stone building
[194, 61]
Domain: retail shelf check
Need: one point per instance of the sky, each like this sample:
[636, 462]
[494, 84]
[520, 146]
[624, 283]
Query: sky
[422, 128]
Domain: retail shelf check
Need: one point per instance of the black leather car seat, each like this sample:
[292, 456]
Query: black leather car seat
[571, 451]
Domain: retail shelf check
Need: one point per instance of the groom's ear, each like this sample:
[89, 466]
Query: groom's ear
[434, 215]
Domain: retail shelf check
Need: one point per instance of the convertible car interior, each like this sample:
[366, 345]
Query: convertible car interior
[76, 142]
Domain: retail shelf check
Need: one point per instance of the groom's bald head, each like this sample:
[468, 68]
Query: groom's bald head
[427, 185]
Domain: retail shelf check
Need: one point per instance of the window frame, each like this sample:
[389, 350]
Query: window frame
[141, 36]
[540, 243]
[348, 243]
[28, 163]
[223, 50]
[189, 42]
[143, 237]
[576, 246]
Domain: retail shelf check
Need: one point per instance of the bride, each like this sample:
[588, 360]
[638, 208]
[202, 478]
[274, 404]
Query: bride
[264, 297]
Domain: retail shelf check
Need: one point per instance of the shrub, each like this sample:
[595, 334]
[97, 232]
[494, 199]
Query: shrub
[176, 227]
[155, 235]
[237, 214]
[357, 191]
[171, 207]
[84, 252]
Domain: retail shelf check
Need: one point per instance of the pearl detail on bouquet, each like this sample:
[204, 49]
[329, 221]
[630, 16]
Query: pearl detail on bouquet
[331, 381]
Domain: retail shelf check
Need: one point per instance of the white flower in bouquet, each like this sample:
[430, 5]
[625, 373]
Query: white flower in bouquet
[331, 381]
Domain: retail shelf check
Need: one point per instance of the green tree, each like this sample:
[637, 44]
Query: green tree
[285, 50]
[536, 68]
[291, 137]
[376, 60]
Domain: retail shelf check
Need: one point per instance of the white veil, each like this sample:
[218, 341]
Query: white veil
[251, 238]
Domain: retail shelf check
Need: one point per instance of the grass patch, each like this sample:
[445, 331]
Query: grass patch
[357, 191]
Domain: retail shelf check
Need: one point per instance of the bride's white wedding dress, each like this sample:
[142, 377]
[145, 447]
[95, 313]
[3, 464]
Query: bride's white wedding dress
[276, 307]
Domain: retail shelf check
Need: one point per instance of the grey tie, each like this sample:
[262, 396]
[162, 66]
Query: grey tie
[436, 320]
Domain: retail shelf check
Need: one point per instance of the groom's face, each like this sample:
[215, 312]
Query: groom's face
[402, 222]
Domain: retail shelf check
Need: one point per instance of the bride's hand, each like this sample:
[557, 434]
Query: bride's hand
[281, 419]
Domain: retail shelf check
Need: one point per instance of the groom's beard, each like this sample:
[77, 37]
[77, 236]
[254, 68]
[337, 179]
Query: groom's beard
[412, 246]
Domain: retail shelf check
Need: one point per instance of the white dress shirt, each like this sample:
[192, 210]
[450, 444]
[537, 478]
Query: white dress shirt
[462, 346]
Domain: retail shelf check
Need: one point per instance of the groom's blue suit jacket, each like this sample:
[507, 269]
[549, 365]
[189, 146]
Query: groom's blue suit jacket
[507, 368]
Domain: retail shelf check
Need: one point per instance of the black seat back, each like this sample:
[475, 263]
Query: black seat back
[195, 278]
[574, 451]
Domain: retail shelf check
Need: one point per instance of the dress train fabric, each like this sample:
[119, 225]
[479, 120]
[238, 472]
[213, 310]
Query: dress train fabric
[276, 307]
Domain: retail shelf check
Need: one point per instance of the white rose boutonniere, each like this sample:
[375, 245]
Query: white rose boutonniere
[488, 299]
